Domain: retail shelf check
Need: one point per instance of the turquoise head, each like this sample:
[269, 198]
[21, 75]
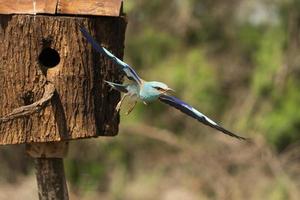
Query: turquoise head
[151, 90]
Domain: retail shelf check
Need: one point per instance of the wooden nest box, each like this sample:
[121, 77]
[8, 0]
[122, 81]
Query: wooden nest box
[51, 81]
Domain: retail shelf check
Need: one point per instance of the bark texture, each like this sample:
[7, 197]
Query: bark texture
[82, 105]
[51, 179]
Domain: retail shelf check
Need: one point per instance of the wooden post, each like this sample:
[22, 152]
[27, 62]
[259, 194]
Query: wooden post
[51, 179]
[49, 167]
[52, 81]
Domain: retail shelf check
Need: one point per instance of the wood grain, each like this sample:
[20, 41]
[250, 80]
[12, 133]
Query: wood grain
[30, 109]
[27, 6]
[83, 106]
[91, 7]
[76, 7]
[51, 179]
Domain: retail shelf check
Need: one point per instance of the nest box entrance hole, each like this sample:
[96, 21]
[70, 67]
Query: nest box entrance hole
[49, 57]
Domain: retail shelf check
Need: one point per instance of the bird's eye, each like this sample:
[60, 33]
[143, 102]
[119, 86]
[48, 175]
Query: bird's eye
[159, 89]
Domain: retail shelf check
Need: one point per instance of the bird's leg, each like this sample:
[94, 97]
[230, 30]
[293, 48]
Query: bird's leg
[131, 108]
[120, 103]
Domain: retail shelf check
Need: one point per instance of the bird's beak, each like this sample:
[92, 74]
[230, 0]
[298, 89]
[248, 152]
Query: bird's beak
[169, 90]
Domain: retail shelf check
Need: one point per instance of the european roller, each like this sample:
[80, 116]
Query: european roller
[149, 91]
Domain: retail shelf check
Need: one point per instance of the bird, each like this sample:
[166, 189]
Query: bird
[149, 91]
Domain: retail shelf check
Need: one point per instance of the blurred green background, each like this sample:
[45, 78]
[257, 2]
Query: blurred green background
[238, 61]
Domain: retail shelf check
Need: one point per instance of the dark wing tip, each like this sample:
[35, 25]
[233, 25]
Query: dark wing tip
[190, 111]
[218, 127]
[82, 29]
[230, 133]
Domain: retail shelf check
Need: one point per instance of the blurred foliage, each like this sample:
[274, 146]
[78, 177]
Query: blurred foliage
[267, 59]
[255, 33]
[209, 52]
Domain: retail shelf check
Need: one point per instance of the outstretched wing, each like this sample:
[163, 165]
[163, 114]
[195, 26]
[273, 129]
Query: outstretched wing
[130, 73]
[192, 112]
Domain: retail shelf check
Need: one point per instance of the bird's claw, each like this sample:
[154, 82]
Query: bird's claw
[130, 109]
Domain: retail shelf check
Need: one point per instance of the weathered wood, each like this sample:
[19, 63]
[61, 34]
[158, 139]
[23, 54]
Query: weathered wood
[35, 107]
[28, 6]
[51, 179]
[78, 7]
[47, 149]
[49, 169]
[83, 106]
[91, 7]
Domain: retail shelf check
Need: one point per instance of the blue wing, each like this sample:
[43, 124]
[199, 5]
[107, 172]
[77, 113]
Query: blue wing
[192, 112]
[130, 73]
